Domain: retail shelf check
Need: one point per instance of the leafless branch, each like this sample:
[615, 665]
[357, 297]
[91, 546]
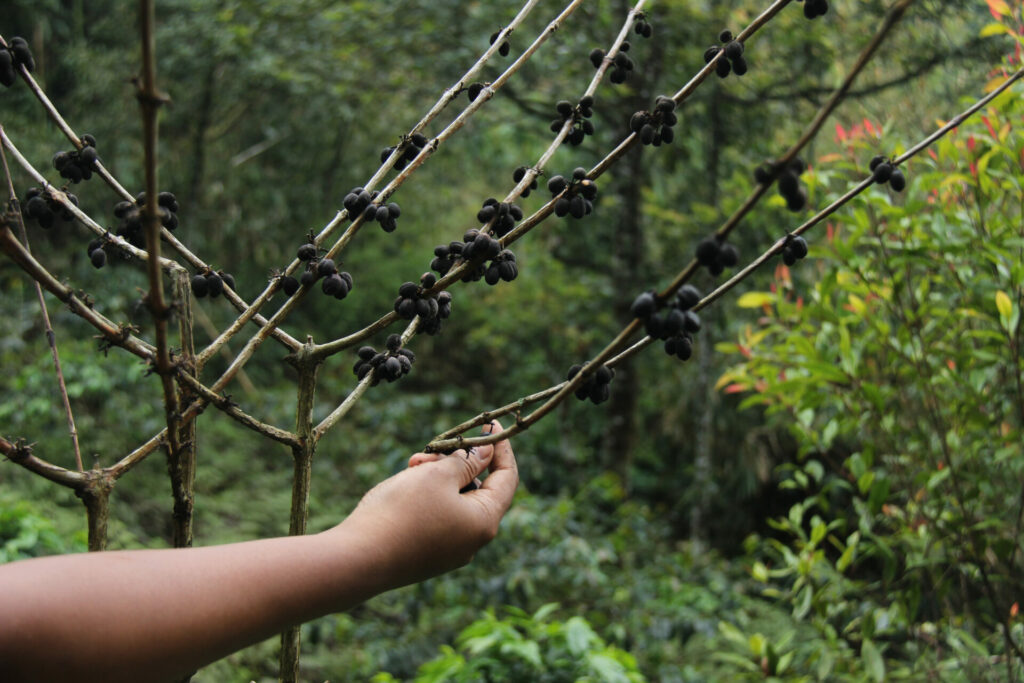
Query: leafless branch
[522, 424]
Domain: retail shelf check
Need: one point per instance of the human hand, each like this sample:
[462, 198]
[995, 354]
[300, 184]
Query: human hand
[420, 525]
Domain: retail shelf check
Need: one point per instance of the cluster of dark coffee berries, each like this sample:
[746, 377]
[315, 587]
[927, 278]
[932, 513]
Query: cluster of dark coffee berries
[715, 254]
[335, 283]
[676, 325]
[815, 8]
[502, 267]
[97, 256]
[733, 62]
[793, 249]
[580, 193]
[504, 214]
[211, 283]
[789, 174]
[17, 53]
[416, 142]
[655, 128]
[518, 175]
[579, 115]
[505, 46]
[883, 171]
[77, 165]
[622, 65]
[477, 246]
[445, 256]
[385, 365]
[413, 301]
[480, 247]
[44, 209]
[594, 387]
[131, 214]
[359, 202]
[642, 27]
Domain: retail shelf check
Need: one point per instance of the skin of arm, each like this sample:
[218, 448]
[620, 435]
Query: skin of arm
[153, 615]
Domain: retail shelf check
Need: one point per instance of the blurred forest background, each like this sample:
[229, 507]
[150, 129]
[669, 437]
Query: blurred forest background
[830, 489]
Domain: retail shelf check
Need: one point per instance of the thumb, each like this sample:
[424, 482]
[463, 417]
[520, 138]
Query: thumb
[465, 465]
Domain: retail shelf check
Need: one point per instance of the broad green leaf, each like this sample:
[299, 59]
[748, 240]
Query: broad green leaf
[545, 611]
[873, 662]
[755, 299]
[579, 636]
[606, 668]
[757, 644]
[818, 532]
[993, 29]
[1005, 307]
[527, 650]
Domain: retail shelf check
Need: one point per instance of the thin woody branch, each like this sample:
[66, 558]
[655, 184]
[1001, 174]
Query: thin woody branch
[51, 337]
[225, 404]
[119, 335]
[346, 405]
[191, 258]
[325, 350]
[115, 335]
[342, 215]
[60, 196]
[541, 214]
[150, 101]
[634, 326]
[522, 424]
[20, 453]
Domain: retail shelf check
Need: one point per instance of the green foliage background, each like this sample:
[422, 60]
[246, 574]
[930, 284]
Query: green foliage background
[835, 494]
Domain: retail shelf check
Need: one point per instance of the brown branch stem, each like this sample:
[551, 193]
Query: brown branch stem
[302, 454]
[524, 423]
[51, 337]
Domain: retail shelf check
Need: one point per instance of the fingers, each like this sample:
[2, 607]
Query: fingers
[500, 485]
[465, 465]
[502, 449]
[420, 458]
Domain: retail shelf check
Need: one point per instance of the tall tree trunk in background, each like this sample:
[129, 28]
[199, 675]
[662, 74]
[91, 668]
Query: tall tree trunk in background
[628, 272]
[203, 117]
[702, 479]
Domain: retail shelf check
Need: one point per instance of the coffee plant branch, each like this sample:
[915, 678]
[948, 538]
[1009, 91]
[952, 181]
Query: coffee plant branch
[522, 424]
[51, 338]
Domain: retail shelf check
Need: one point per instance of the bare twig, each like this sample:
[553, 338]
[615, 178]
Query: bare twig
[456, 272]
[356, 394]
[225, 351]
[385, 193]
[119, 189]
[58, 195]
[225, 404]
[302, 454]
[51, 337]
[150, 101]
[114, 335]
[21, 454]
[524, 423]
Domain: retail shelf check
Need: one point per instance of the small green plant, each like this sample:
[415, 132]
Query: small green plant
[528, 647]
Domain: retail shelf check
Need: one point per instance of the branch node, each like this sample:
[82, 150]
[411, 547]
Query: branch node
[21, 451]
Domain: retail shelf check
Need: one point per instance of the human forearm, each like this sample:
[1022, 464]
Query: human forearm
[153, 615]
[144, 615]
